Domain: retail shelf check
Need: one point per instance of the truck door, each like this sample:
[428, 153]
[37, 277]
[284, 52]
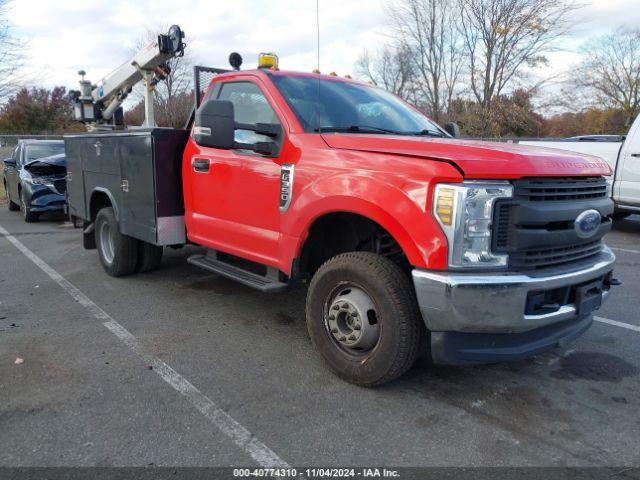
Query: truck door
[137, 209]
[235, 193]
[627, 181]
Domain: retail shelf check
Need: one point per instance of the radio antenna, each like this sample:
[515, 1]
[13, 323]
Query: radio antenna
[318, 32]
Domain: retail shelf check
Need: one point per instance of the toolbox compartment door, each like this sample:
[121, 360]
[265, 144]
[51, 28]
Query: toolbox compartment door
[75, 178]
[137, 188]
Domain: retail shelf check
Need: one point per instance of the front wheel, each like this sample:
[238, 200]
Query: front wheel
[27, 214]
[118, 253]
[363, 317]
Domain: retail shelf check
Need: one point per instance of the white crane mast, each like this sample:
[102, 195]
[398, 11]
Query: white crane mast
[99, 106]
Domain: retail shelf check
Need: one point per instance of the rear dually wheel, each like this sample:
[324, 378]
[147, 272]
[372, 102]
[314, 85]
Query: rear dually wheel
[118, 253]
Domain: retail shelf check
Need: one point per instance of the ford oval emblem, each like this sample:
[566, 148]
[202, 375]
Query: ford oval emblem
[587, 223]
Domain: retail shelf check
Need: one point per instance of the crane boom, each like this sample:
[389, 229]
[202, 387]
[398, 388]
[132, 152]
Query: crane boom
[99, 106]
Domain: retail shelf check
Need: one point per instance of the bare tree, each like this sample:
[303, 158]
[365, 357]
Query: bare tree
[174, 95]
[610, 69]
[427, 29]
[11, 58]
[391, 69]
[502, 37]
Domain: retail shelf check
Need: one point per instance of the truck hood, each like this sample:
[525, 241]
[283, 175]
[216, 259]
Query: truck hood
[476, 159]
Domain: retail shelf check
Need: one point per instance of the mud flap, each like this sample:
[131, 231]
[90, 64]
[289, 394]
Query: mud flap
[88, 237]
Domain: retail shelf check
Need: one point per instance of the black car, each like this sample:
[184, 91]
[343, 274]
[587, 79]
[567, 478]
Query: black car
[35, 178]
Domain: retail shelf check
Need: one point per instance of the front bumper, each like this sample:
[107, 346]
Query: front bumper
[42, 198]
[495, 304]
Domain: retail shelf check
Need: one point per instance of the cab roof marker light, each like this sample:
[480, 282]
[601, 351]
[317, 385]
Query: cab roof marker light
[268, 60]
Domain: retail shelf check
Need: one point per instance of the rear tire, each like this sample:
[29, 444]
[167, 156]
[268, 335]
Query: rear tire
[350, 295]
[149, 257]
[118, 253]
[27, 215]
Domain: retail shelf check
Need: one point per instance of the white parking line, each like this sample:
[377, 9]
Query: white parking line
[624, 250]
[242, 437]
[628, 326]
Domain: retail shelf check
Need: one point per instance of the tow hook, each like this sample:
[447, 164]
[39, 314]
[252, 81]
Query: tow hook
[612, 282]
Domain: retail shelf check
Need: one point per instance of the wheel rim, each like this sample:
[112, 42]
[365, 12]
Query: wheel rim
[351, 319]
[107, 242]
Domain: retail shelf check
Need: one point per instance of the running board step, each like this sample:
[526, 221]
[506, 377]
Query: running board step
[268, 283]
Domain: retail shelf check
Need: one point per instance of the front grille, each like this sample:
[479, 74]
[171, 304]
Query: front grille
[547, 257]
[502, 222]
[536, 227]
[547, 189]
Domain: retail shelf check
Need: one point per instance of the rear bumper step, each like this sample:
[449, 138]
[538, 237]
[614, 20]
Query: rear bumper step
[268, 283]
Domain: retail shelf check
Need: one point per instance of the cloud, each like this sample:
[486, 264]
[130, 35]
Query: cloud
[64, 36]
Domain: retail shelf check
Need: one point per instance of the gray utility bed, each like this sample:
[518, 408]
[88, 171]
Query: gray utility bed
[140, 171]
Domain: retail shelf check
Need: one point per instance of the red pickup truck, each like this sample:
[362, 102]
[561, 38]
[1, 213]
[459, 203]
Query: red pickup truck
[412, 242]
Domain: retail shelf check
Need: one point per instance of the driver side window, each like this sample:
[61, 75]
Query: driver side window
[250, 106]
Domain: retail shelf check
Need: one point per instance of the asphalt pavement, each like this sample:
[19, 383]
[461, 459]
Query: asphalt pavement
[182, 367]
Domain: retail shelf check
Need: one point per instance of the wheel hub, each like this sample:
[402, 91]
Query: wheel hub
[352, 319]
[107, 242]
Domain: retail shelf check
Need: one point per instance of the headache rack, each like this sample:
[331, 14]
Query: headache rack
[202, 77]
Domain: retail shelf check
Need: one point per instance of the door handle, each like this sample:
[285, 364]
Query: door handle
[637, 155]
[200, 165]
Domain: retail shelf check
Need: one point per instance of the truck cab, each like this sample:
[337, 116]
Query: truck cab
[412, 242]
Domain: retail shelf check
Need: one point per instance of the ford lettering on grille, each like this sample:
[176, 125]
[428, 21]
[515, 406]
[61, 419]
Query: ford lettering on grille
[587, 223]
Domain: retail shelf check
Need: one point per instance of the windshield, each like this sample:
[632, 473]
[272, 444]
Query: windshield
[329, 105]
[35, 151]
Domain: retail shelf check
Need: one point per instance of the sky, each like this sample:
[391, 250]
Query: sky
[64, 36]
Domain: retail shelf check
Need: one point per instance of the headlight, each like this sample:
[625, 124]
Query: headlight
[27, 177]
[465, 213]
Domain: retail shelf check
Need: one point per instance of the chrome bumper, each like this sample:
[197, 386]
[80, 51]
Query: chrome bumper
[495, 302]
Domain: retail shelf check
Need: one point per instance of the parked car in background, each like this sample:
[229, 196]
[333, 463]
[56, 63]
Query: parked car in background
[597, 138]
[35, 178]
[621, 152]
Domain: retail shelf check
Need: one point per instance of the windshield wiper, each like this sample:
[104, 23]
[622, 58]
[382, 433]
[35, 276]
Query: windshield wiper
[429, 133]
[357, 129]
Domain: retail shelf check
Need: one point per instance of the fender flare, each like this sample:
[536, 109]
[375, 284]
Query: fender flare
[112, 200]
[383, 203]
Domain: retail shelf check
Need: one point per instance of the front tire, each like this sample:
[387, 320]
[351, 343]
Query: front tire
[363, 318]
[27, 215]
[118, 253]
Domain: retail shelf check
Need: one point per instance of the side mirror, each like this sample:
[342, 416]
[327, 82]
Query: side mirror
[452, 129]
[10, 163]
[214, 124]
